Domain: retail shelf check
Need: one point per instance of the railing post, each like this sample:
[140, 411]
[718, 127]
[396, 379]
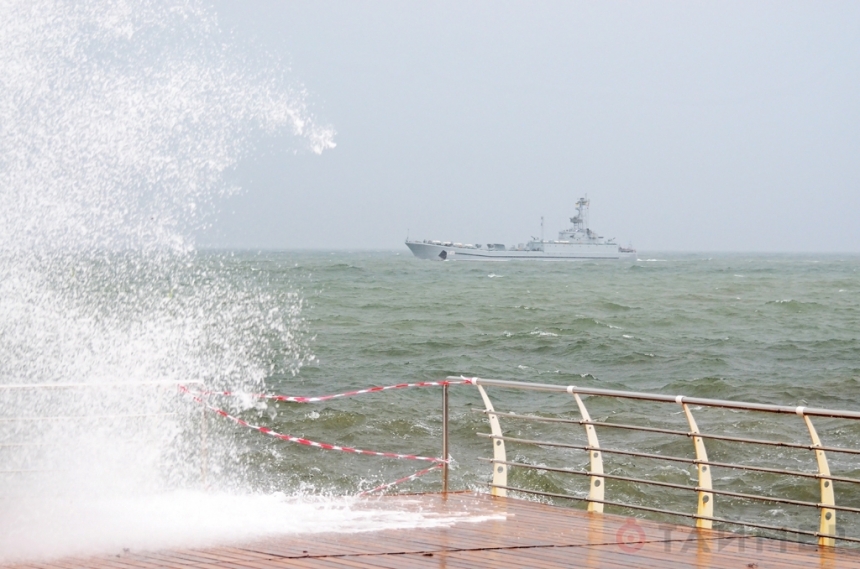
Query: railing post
[500, 469]
[705, 501]
[827, 520]
[445, 438]
[596, 485]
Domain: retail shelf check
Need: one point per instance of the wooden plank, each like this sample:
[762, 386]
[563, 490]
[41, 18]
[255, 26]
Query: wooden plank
[235, 553]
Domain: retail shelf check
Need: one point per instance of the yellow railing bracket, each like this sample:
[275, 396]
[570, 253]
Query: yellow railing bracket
[596, 482]
[500, 469]
[827, 520]
[705, 498]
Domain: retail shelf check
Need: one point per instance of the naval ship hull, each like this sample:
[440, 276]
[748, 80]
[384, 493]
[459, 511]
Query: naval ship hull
[551, 252]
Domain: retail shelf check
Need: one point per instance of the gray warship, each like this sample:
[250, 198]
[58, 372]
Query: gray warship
[578, 242]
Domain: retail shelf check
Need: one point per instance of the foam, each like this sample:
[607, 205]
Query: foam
[197, 519]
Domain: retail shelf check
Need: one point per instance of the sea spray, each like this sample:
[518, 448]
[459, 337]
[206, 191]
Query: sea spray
[119, 119]
[117, 123]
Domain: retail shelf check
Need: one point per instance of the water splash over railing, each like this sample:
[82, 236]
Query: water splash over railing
[609, 485]
[705, 488]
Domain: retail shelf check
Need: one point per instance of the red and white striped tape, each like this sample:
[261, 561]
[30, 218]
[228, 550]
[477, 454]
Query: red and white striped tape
[307, 442]
[406, 479]
[464, 381]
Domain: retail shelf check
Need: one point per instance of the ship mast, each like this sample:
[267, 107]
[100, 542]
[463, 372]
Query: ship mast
[580, 220]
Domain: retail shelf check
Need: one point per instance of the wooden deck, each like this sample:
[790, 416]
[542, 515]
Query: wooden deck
[514, 533]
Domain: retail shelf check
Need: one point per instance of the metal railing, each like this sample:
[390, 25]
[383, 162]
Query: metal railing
[704, 513]
[598, 496]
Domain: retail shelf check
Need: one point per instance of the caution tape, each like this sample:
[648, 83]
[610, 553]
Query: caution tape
[290, 399]
[406, 479]
[307, 442]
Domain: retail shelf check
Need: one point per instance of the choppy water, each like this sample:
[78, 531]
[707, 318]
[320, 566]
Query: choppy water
[118, 123]
[714, 325]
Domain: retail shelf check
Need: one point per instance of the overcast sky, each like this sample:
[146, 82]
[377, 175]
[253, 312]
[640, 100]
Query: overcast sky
[692, 126]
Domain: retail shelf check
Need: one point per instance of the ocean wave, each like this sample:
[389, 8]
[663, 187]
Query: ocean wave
[798, 305]
[543, 334]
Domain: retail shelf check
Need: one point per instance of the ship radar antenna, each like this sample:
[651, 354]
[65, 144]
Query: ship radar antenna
[580, 220]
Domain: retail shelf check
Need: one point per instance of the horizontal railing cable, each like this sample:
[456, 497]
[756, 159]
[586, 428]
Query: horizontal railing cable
[677, 399]
[642, 428]
[674, 485]
[727, 438]
[676, 459]
[321, 398]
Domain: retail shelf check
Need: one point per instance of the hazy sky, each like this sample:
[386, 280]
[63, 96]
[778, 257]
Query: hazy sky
[696, 126]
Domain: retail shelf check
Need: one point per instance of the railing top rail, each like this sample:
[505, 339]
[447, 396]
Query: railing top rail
[812, 411]
[99, 384]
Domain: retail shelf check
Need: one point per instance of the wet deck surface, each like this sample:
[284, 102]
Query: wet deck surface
[508, 533]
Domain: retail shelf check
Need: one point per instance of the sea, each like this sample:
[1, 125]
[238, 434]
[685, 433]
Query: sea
[140, 373]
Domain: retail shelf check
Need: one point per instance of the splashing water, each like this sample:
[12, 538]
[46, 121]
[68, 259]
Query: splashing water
[118, 120]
